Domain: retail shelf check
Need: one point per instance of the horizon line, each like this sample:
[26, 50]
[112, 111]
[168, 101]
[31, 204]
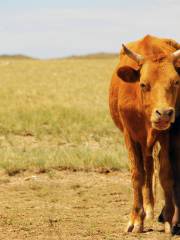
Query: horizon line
[27, 56]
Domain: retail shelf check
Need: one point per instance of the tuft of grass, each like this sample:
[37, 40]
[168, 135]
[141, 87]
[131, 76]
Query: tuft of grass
[54, 114]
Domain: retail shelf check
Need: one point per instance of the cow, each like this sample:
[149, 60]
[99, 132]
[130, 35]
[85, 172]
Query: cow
[144, 99]
[174, 155]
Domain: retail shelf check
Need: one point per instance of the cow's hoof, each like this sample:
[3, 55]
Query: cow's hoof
[138, 228]
[176, 229]
[167, 227]
[130, 227]
[135, 228]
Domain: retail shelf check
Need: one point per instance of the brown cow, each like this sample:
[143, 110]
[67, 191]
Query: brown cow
[144, 96]
[174, 155]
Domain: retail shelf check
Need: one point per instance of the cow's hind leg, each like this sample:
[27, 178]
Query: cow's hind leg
[136, 221]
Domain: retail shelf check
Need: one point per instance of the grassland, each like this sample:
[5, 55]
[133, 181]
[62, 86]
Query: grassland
[54, 114]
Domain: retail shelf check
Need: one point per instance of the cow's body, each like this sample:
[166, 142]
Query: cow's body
[134, 118]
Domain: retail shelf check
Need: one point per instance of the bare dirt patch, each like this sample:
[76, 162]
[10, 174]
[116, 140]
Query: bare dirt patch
[69, 206]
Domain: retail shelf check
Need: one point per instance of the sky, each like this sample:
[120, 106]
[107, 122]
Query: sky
[59, 28]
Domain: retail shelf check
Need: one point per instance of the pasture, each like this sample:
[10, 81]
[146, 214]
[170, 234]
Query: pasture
[63, 165]
[54, 114]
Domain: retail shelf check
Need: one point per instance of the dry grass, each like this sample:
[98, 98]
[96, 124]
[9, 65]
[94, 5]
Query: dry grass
[54, 114]
[65, 205]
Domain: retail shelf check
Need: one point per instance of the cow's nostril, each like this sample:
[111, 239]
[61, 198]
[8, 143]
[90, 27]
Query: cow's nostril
[169, 112]
[158, 113]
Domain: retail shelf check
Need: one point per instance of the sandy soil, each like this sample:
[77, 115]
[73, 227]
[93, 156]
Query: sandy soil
[70, 206]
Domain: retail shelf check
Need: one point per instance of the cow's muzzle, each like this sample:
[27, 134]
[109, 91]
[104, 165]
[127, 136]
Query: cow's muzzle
[162, 118]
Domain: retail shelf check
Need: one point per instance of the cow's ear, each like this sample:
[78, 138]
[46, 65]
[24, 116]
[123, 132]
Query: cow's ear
[128, 74]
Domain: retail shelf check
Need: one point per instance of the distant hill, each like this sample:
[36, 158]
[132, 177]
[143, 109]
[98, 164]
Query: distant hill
[96, 55]
[100, 55]
[16, 56]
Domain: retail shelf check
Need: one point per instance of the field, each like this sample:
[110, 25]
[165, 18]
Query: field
[54, 114]
[70, 205]
[63, 169]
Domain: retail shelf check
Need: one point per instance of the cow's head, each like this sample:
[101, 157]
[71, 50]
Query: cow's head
[159, 82]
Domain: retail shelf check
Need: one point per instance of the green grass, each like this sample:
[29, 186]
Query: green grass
[54, 114]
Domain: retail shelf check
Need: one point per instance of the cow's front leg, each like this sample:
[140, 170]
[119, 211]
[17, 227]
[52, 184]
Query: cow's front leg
[148, 197]
[166, 179]
[136, 221]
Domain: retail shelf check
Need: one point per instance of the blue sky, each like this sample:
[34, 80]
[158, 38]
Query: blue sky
[57, 28]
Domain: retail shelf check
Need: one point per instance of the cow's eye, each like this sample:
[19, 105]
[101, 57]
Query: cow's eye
[177, 83]
[144, 86]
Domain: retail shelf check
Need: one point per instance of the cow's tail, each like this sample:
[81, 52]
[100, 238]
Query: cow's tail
[156, 151]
